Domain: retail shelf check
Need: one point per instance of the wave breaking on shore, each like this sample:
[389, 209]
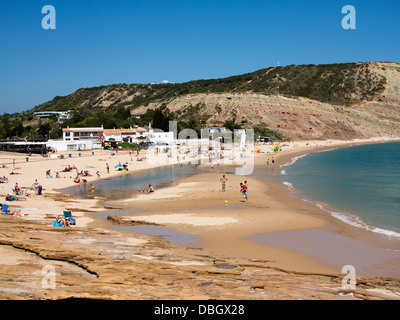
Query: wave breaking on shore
[345, 217]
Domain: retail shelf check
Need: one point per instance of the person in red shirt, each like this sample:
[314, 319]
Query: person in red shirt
[243, 190]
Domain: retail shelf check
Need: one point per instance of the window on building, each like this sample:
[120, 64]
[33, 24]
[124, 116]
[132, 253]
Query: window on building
[72, 147]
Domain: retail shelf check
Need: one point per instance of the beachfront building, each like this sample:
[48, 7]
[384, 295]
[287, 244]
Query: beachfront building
[74, 145]
[43, 147]
[23, 146]
[78, 139]
[131, 135]
[73, 134]
[161, 138]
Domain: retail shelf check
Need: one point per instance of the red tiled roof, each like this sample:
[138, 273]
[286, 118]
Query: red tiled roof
[83, 129]
[105, 131]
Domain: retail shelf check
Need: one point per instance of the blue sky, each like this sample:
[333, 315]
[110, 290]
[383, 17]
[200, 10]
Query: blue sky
[105, 42]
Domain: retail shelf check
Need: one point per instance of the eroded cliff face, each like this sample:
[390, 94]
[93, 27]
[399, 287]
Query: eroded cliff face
[296, 118]
[336, 101]
[302, 118]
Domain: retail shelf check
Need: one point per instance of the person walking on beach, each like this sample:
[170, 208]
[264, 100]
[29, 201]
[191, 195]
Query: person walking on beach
[108, 168]
[223, 181]
[247, 188]
[98, 175]
[243, 190]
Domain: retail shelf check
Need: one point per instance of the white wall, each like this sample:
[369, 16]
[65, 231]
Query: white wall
[60, 145]
[162, 137]
[116, 137]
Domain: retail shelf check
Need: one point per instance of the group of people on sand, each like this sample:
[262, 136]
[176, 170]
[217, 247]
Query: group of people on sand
[243, 187]
[48, 174]
[5, 209]
[150, 189]
[80, 174]
[59, 222]
[18, 191]
[68, 168]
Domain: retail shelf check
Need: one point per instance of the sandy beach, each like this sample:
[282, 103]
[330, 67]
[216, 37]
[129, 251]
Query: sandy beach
[229, 229]
[225, 223]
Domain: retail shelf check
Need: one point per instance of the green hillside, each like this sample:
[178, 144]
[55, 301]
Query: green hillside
[338, 84]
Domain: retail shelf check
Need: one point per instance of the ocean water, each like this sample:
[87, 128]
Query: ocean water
[359, 185]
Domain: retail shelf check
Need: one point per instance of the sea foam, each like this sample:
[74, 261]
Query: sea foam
[293, 160]
[344, 217]
[355, 221]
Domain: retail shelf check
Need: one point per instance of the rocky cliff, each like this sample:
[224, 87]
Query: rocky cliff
[301, 117]
[336, 101]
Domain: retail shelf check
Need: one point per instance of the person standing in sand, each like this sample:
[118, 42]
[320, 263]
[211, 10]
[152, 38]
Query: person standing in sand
[108, 168]
[243, 190]
[223, 181]
[35, 185]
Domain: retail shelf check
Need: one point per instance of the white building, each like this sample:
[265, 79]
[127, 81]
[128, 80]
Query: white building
[46, 114]
[161, 138]
[64, 116]
[71, 145]
[73, 134]
[132, 135]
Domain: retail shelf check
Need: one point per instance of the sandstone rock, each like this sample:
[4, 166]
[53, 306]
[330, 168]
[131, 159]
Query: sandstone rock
[110, 264]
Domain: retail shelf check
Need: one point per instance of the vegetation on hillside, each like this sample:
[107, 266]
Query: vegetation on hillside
[110, 106]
